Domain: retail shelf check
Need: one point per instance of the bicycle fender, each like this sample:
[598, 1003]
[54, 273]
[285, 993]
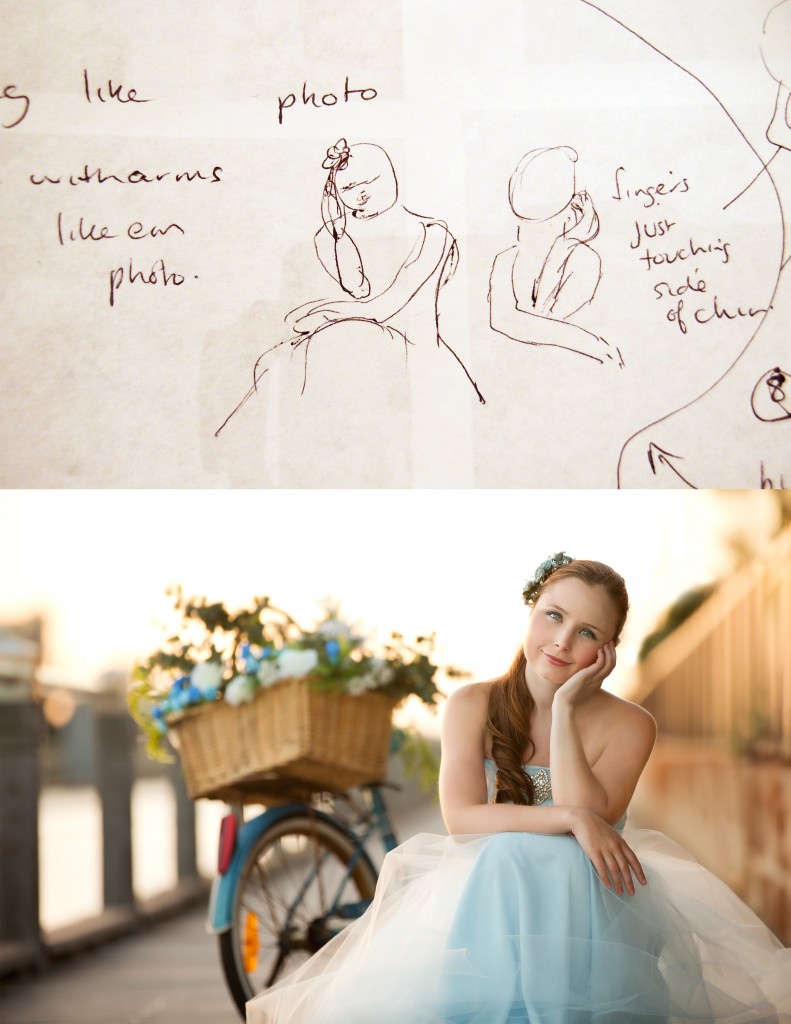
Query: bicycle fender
[223, 888]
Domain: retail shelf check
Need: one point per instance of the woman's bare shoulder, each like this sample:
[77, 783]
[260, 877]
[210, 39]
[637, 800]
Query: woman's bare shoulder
[619, 714]
[468, 706]
[471, 700]
[465, 713]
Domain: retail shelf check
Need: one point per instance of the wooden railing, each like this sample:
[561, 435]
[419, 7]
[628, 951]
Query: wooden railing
[23, 943]
[719, 781]
[725, 673]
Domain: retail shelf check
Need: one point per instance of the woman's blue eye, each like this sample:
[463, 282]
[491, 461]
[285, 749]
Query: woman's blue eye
[588, 633]
[555, 615]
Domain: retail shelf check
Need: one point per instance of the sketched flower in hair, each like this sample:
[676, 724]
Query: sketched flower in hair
[337, 156]
[542, 574]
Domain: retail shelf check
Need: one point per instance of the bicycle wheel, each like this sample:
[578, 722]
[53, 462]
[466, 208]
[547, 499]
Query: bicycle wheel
[296, 890]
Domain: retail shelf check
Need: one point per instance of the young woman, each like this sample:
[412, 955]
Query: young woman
[540, 906]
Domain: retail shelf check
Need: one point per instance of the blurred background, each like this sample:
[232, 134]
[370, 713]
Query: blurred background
[84, 578]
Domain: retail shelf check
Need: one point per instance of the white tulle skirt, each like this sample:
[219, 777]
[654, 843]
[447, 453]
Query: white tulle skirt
[518, 927]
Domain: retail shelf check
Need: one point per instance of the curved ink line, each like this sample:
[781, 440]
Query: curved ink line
[385, 328]
[256, 378]
[718, 101]
[758, 175]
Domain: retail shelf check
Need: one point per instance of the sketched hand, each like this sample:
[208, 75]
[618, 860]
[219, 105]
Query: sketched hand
[613, 859]
[587, 681]
[318, 317]
[586, 219]
[611, 353]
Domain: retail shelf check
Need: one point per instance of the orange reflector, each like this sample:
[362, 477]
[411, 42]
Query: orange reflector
[250, 943]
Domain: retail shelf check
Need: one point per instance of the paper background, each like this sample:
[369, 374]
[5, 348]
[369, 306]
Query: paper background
[131, 394]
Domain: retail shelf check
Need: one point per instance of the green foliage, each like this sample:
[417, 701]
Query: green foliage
[420, 758]
[678, 612]
[139, 698]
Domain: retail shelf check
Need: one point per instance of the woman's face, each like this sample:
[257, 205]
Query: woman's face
[367, 185]
[569, 623]
[543, 184]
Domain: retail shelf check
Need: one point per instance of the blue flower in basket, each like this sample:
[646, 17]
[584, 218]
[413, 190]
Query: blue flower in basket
[158, 717]
[333, 649]
[251, 662]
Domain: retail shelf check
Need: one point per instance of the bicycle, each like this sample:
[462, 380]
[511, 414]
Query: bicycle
[289, 880]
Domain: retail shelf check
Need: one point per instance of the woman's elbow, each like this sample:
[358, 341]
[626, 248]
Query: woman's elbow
[456, 818]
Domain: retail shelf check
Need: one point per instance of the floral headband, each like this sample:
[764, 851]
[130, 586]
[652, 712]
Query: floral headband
[337, 156]
[542, 574]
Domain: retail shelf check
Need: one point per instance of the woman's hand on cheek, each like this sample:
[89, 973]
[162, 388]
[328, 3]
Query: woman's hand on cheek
[587, 681]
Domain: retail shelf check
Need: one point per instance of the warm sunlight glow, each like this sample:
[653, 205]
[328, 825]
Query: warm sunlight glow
[96, 565]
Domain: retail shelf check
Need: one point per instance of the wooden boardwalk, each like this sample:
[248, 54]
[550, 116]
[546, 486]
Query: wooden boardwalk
[167, 974]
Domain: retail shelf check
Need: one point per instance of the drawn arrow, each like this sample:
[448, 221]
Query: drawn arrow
[657, 454]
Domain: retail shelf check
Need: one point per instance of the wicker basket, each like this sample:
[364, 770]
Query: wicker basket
[289, 741]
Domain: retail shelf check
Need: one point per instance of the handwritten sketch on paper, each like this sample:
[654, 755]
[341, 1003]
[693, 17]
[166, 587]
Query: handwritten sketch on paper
[238, 251]
[749, 406]
[359, 208]
[553, 270]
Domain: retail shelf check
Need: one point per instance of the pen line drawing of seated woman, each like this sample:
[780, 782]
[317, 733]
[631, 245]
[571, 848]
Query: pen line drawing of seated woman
[552, 272]
[387, 260]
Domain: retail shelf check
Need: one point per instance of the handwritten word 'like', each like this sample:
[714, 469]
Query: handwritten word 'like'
[10, 93]
[136, 177]
[329, 99]
[649, 194]
[157, 275]
[113, 92]
[85, 232]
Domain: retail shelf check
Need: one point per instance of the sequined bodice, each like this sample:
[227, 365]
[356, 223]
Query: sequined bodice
[542, 783]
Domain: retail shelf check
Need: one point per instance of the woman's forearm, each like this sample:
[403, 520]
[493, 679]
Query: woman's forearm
[573, 781]
[507, 318]
[482, 819]
[428, 255]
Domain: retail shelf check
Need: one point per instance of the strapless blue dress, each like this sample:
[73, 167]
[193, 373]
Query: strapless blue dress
[517, 927]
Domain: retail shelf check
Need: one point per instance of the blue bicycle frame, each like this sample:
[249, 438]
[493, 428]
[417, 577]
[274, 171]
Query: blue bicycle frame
[224, 887]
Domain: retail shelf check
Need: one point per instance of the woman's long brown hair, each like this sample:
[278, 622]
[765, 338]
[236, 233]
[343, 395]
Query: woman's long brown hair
[510, 702]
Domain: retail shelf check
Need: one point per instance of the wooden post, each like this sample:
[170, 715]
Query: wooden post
[115, 738]
[186, 845]
[20, 728]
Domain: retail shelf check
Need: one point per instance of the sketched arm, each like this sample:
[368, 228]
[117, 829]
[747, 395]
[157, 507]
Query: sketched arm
[779, 130]
[529, 328]
[341, 258]
[428, 254]
[578, 274]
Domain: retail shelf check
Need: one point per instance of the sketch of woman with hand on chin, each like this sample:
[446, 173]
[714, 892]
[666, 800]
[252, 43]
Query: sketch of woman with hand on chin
[552, 271]
[391, 263]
